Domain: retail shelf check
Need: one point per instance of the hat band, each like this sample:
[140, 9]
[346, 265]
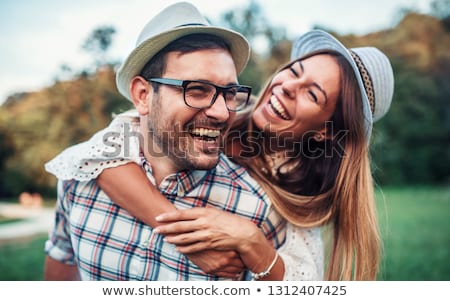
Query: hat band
[367, 80]
[191, 24]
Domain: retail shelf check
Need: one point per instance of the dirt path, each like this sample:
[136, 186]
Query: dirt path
[33, 221]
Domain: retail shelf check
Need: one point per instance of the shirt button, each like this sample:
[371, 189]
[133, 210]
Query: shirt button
[146, 244]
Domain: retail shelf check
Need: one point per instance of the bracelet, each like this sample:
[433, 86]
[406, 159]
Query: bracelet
[257, 276]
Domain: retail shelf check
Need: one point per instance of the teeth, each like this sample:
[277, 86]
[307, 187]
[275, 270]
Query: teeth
[206, 132]
[276, 105]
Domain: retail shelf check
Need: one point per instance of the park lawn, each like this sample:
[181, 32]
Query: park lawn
[416, 233]
[22, 259]
[414, 225]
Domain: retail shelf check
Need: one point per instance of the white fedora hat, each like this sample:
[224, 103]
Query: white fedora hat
[372, 70]
[174, 22]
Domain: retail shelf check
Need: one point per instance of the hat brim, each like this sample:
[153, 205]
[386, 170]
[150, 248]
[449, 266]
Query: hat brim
[136, 60]
[317, 41]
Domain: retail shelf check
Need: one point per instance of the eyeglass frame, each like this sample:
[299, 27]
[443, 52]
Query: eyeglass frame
[219, 90]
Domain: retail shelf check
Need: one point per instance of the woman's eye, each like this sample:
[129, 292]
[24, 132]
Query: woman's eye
[293, 71]
[313, 96]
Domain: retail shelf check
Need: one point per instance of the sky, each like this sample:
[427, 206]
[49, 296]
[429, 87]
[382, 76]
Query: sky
[37, 37]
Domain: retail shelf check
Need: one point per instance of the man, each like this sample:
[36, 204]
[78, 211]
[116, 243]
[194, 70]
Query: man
[182, 79]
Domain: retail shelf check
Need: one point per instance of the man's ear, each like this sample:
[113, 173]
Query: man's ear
[141, 93]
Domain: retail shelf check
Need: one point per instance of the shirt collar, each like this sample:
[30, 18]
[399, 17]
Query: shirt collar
[179, 183]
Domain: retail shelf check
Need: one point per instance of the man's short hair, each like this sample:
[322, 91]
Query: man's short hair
[156, 65]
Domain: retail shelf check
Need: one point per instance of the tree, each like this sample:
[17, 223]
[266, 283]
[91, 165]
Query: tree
[6, 146]
[264, 37]
[99, 42]
[441, 10]
[7, 151]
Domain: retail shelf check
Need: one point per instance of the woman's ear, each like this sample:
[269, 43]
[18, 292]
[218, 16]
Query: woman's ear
[319, 136]
[323, 134]
[141, 93]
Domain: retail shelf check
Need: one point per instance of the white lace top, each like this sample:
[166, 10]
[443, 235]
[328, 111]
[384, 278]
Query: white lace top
[118, 144]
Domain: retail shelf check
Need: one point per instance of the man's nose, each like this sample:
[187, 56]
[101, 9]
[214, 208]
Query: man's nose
[218, 110]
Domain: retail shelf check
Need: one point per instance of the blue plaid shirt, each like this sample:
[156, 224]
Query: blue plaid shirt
[107, 243]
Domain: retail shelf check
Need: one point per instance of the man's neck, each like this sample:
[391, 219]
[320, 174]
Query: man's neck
[161, 165]
[160, 168]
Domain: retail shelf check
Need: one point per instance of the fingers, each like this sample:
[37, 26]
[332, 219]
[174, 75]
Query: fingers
[236, 263]
[178, 227]
[192, 248]
[182, 215]
[190, 242]
[220, 263]
[233, 276]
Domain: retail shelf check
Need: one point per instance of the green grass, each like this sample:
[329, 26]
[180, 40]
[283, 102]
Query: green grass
[414, 224]
[22, 259]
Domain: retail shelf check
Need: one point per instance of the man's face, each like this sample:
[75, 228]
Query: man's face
[189, 138]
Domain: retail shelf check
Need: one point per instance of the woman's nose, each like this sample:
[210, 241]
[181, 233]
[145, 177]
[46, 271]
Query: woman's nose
[290, 86]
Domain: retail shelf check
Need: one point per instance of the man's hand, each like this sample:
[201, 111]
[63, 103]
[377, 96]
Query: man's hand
[226, 264]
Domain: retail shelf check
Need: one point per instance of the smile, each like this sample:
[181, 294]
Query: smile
[278, 108]
[205, 134]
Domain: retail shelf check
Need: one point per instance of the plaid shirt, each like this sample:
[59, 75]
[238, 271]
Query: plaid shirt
[107, 243]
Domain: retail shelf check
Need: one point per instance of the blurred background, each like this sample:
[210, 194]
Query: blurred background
[60, 88]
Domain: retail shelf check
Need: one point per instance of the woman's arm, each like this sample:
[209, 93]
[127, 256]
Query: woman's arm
[58, 271]
[199, 229]
[129, 188]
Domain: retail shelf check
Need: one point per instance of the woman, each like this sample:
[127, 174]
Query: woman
[307, 145]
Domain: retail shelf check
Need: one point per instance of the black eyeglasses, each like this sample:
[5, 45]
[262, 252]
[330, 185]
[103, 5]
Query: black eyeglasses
[201, 94]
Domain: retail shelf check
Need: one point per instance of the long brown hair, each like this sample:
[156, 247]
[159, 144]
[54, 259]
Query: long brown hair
[335, 190]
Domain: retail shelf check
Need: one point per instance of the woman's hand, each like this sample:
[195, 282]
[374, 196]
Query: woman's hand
[199, 229]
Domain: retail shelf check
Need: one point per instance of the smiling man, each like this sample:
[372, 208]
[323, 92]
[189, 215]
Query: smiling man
[187, 110]
[182, 79]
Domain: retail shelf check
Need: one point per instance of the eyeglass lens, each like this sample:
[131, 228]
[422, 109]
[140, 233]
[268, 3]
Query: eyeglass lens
[202, 95]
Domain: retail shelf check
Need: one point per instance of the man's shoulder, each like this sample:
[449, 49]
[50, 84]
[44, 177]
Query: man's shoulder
[230, 168]
[237, 175]
[76, 187]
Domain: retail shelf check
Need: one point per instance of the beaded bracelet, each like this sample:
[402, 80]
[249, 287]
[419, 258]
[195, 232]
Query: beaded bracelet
[257, 276]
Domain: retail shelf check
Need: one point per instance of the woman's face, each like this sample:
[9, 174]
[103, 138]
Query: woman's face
[301, 98]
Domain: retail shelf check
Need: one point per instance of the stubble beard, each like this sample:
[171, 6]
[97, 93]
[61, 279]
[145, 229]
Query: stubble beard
[172, 140]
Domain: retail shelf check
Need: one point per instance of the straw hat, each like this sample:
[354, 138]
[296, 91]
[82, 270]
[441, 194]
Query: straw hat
[174, 22]
[372, 70]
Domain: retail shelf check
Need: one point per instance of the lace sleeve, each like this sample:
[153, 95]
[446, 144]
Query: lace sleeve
[302, 254]
[113, 146]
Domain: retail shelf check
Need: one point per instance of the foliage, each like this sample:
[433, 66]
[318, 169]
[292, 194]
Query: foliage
[412, 141]
[48, 121]
[7, 150]
[410, 144]
[99, 42]
[251, 22]
[441, 9]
